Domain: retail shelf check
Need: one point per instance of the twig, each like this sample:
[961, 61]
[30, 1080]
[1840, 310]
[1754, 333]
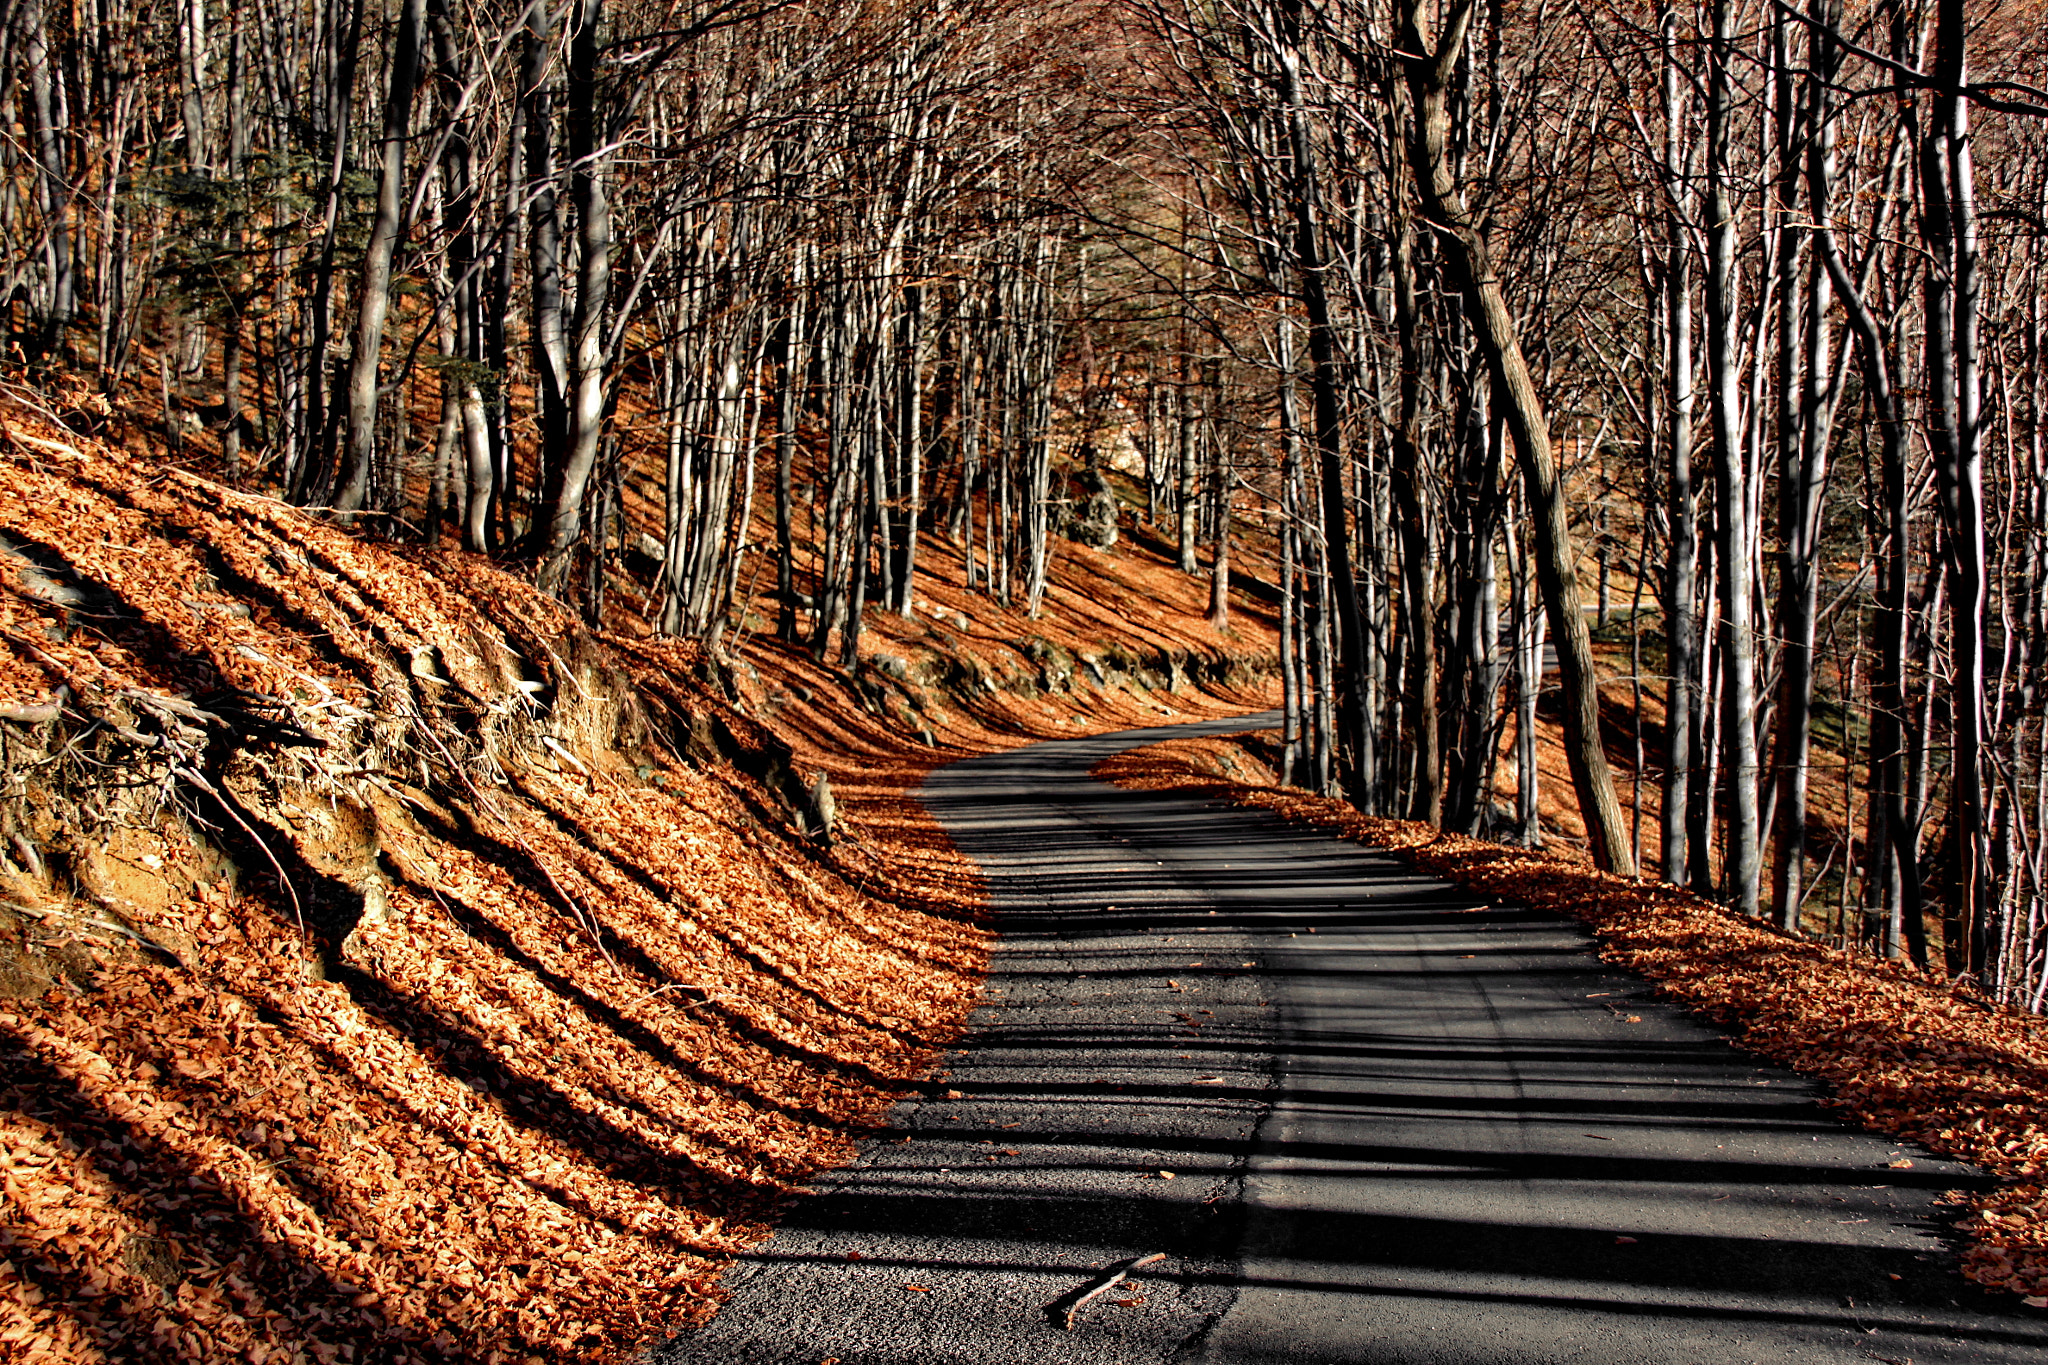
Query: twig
[198, 779]
[556, 747]
[1063, 1311]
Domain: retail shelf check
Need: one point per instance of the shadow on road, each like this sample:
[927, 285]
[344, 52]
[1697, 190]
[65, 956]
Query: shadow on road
[1368, 1117]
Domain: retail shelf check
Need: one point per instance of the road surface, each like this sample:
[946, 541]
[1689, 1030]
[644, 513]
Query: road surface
[1366, 1116]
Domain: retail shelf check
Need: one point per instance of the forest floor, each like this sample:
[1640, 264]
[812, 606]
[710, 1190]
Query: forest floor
[1903, 1051]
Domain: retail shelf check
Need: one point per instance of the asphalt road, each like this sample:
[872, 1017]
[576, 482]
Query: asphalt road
[1366, 1117]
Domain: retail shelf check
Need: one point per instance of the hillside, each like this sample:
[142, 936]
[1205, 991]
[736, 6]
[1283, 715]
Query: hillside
[393, 969]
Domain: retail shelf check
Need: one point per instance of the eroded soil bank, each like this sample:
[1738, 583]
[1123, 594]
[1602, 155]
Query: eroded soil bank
[392, 968]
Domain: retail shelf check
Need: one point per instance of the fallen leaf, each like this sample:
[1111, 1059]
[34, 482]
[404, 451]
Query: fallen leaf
[918, 1288]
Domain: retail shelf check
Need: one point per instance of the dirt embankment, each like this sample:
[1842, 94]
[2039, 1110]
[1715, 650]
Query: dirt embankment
[392, 969]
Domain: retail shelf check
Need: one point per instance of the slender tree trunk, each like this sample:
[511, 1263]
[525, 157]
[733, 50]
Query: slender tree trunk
[1219, 561]
[1341, 616]
[1189, 469]
[1291, 729]
[792, 344]
[1805, 425]
[973, 353]
[374, 296]
[589, 178]
[1724, 322]
[1418, 591]
[544, 242]
[194, 56]
[1949, 226]
[1681, 693]
[1529, 642]
[1429, 69]
[313, 474]
[910, 443]
[1706, 745]
[53, 185]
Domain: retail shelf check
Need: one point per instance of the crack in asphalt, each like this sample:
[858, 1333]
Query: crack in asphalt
[1367, 1117]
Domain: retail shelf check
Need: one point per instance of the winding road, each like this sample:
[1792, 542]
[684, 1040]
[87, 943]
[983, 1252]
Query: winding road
[1366, 1118]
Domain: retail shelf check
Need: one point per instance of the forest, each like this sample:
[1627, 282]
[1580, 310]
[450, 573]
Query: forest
[1673, 366]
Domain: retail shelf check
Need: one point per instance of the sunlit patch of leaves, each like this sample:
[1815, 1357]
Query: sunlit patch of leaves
[600, 1028]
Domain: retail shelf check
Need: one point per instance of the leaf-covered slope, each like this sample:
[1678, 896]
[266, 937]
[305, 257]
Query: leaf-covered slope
[391, 969]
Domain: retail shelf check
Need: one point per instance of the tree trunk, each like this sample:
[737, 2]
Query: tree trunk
[374, 296]
[1190, 454]
[1291, 728]
[910, 443]
[589, 179]
[1742, 868]
[1681, 694]
[792, 342]
[1219, 561]
[53, 188]
[313, 477]
[1340, 614]
[544, 245]
[1429, 70]
[193, 59]
[1418, 592]
[1949, 227]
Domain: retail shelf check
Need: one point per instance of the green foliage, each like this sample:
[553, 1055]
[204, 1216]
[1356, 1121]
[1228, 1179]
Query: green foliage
[456, 371]
[1623, 622]
[1656, 655]
[221, 234]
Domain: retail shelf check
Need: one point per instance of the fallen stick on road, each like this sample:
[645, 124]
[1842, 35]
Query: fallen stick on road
[1063, 1311]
